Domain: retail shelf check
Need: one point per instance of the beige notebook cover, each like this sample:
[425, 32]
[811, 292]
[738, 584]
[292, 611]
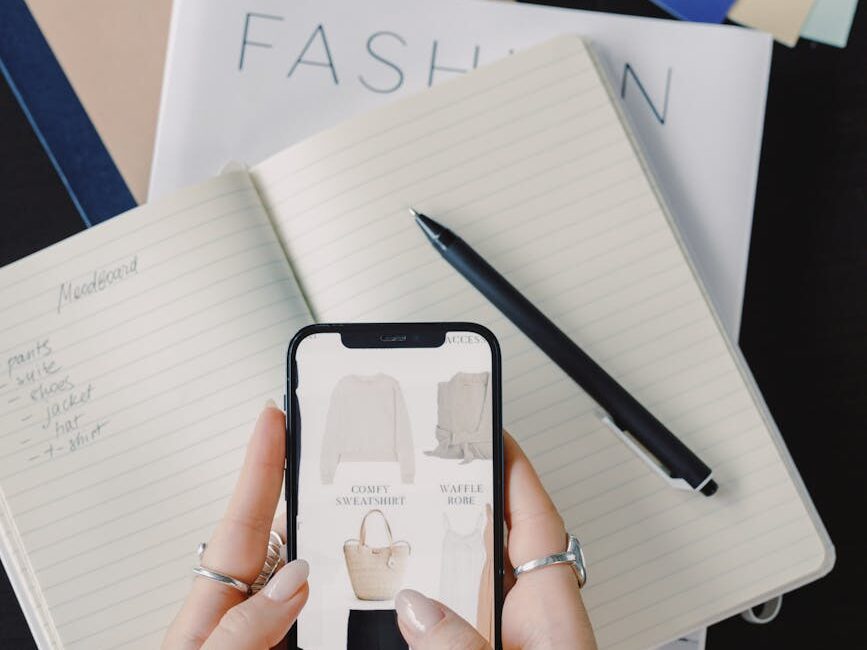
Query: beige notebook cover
[782, 18]
[138, 353]
[112, 52]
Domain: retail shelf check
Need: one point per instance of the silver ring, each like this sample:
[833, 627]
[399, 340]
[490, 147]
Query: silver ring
[573, 555]
[223, 579]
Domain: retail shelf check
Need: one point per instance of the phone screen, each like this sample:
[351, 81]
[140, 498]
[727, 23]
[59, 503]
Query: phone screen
[398, 484]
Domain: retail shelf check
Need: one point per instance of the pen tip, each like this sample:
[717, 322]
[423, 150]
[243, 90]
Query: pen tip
[413, 212]
[710, 488]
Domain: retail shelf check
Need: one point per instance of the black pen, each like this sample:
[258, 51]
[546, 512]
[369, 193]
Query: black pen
[656, 445]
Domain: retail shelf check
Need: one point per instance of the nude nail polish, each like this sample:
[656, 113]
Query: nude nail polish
[287, 581]
[417, 610]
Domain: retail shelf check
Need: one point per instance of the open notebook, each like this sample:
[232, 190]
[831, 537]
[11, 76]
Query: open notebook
[136, 356]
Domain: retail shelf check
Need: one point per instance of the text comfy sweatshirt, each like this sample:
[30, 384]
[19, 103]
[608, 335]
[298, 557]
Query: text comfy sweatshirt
[367, 421]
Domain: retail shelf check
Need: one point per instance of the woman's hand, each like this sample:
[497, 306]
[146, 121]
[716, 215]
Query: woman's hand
[218, 617]
[543, 609]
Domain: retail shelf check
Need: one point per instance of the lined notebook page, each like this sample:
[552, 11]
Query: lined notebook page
[529, 161]
[125, 406]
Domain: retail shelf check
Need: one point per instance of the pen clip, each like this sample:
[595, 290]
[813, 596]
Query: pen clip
[650, 460]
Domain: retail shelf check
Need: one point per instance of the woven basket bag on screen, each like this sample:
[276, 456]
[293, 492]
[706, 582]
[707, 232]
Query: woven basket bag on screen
[376, 572]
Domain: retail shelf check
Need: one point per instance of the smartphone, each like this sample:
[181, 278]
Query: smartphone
[394, 477]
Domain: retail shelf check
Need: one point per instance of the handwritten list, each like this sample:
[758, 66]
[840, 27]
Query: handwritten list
[48, 396]
[133, 365]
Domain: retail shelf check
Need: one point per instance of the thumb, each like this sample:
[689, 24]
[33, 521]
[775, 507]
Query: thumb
[262, 620]
[429, 625]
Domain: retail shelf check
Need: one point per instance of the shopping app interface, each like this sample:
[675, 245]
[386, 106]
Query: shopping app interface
[395, 485]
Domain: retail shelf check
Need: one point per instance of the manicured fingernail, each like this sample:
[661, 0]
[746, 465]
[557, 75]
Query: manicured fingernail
[287, 581]
[418, 611]
[270, 404]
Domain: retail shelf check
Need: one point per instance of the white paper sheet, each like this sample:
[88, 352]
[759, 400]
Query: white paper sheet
[257, 75]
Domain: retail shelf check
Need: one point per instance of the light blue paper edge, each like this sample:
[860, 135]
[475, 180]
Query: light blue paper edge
[830, 22]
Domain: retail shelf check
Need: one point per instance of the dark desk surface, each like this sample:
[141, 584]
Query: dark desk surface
[805, 316]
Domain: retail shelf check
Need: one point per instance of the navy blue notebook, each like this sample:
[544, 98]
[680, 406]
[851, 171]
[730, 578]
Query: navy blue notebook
[84, 165]
[704, 11]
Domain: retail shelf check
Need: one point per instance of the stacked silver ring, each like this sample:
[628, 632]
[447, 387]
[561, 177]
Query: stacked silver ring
[274, 561]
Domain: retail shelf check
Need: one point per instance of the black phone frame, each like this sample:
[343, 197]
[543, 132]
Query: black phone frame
[396, 335]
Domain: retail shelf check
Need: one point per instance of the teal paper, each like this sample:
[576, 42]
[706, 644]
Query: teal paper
[830, 21]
